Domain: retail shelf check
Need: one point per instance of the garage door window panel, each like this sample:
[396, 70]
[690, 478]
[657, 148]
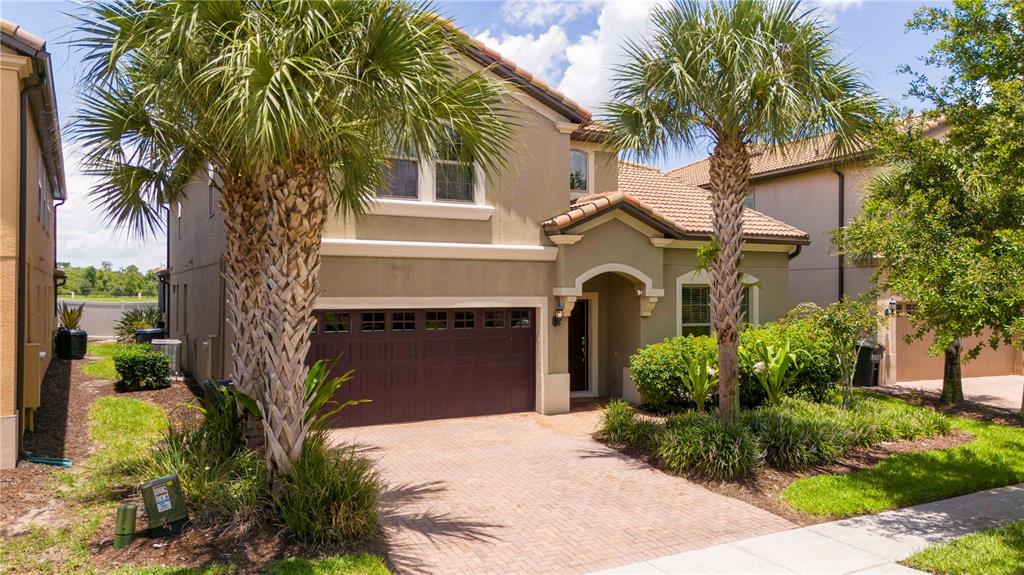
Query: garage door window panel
[336, 322]
[464, 320]
[494, 319]
[437, 320]
[403, 321]
[373, 321]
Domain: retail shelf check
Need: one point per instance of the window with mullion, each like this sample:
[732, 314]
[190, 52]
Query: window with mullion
[454, 178]
[695, 317]
[401, 175]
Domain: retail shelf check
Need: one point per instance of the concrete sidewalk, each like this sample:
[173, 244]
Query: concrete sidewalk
[867, 545]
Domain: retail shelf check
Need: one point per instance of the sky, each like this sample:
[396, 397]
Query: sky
[572, 45]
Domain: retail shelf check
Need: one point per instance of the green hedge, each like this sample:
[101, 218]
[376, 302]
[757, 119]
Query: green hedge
[139, 367]
[655, 368]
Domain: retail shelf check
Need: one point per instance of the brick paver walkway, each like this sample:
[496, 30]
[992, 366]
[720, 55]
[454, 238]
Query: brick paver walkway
[525, 493]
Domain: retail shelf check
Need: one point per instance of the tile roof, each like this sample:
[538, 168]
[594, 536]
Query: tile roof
[681, 209]
[799, 155]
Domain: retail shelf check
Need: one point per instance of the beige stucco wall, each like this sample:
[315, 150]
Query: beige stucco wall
[810, 200]
[197, 309]
[37, 301]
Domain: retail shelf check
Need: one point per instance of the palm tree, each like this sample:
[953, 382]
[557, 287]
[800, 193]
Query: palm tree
[294, 105]
[734, 75]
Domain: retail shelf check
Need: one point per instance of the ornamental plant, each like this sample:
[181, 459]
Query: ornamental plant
[775, 367]
[699, 380]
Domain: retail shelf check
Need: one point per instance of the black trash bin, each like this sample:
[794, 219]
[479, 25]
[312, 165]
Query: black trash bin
[71, 343]
[147, 335]
[869, 355]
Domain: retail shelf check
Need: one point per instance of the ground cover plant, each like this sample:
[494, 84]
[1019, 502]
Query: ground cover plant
[993, 552]
[793, 435]
[992, 459]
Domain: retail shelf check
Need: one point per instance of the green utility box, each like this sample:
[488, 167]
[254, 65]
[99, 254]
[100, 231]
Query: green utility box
[165, 506]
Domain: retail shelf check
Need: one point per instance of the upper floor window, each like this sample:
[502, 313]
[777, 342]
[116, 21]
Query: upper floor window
[579, 181]
[401, 175]
[454, 177]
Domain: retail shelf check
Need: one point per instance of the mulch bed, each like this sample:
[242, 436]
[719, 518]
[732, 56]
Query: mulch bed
[62, 430]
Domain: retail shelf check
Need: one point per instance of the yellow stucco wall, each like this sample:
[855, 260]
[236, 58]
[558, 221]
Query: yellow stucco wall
[37, 300]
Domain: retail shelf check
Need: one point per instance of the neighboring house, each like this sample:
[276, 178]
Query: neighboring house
[807, 187]
[491, 293]
[31, 178]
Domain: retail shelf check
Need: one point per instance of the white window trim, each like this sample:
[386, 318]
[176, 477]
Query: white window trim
[574, 194]
[701, 278]
[427, 205]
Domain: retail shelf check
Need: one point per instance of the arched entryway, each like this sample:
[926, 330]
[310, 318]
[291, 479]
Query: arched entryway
[604, 311]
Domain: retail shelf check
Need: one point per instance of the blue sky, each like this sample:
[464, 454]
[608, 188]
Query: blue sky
[571, 44]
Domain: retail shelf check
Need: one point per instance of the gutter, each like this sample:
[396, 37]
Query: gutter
[841, 212]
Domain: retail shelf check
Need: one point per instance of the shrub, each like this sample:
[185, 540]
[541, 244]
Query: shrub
[139, 367]
[700, 380]
[775, 368]
[701, 444]
[328, 497]
[219, 477]
[134, 318]
[655, 369]
[794, 440]
[819, 366]
[622, 425]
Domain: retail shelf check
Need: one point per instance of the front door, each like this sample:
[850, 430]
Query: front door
[579, 327]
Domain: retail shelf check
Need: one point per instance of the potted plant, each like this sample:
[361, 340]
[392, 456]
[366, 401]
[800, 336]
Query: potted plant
[71, 341]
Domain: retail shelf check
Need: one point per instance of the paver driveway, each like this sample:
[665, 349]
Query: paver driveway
[524, 493]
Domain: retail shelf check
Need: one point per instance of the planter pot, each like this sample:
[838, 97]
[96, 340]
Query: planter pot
[148, 334]
[72, 343]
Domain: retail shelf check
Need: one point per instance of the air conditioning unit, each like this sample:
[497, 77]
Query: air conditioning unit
[172, 349]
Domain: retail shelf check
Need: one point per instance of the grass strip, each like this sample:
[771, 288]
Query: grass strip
[994, 552]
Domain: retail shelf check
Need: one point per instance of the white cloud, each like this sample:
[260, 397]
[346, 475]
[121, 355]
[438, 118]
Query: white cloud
[541, 55]
[827, 10]
[540, 13]
[83, 237]
[588, 77]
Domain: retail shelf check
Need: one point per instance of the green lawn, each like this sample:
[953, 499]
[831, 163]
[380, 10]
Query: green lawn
[993, 459]
[102, 368]
[123, 429]
[124, 298]
[995, 552]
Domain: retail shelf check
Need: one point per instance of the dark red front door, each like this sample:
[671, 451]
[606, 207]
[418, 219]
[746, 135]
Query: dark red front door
[429, 363]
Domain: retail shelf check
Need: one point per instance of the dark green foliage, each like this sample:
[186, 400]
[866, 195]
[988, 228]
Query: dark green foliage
[106, 281]
[622, 425]
[134, 318]
[793, 439]
[139, 367]
[655, 368]
[701, 444]
[220, 478]
[328, 496]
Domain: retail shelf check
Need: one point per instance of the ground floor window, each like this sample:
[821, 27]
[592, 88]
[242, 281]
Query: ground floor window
[695, 309]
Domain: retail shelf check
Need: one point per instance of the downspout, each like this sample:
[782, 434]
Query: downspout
[55, 206]
[796, 251]
[840, 223]
[19, 353]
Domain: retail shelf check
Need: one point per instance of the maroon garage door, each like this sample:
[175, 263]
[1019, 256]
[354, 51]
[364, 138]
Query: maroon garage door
[429, 363]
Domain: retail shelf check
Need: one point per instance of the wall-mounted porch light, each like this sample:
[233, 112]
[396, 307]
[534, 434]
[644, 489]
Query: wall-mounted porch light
[556, 319]
[891, 310]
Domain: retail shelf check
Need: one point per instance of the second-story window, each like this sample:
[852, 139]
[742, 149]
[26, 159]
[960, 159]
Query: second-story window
[401, 175]
[578, 172]
[454, 177]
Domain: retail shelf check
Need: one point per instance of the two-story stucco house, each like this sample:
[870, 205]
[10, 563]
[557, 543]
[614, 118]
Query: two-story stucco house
[808, 188]
[514, 292]
[31, 186]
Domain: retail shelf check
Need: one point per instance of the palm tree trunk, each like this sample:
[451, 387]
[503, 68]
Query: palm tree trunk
[952, 384]
[244, 213]
[730, 173]
[296, 216]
